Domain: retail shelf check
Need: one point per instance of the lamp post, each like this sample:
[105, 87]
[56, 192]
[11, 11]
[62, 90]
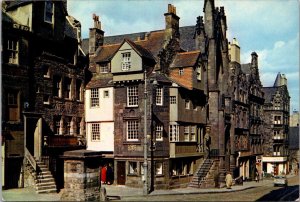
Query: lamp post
[145, 189]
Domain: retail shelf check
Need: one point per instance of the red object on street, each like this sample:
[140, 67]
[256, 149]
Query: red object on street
[103, 174]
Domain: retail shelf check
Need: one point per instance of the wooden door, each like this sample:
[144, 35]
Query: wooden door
[121, 172]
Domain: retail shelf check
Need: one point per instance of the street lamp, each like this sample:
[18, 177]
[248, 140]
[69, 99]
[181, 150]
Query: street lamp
[145, 189]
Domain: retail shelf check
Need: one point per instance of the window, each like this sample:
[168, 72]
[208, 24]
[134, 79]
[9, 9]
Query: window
[277, 119]
[159, 96]
[172, 99]
[159, 132]
[193, 133]
[186, 133]
[158, 168]
[132, 168]
[94, 97]
[174, 133]
[68, 129]
[96, 132]
[181, 71]
[103, 68]
[13, 51]
[46, 72]
[57, 86]
[132, 96]
[78, 90]
[78, 131]
[46, 99]
[187, 104]
[106, 94]
[57, 125]
[68, 90]
[13, 106]
[199, 69]
[132, 130]
[126, 61]
[48, 15]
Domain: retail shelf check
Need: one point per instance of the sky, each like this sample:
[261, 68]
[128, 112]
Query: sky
[268, 27]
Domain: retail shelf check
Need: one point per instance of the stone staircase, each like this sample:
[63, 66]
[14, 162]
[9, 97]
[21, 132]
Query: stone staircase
[44, 181]
[202, 175]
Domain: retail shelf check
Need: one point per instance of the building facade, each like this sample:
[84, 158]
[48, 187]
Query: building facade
[276, 127]
[47, 101]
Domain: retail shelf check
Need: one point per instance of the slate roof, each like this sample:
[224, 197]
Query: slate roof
[187, 41]
[106, 52]
[98, 83]
[185, 59]
[294, 138]
[140, 50]
[269, 93]
[246, 68]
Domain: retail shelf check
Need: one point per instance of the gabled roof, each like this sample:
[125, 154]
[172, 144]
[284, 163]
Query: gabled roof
[269, 92]
[185, 59]
[144, 53]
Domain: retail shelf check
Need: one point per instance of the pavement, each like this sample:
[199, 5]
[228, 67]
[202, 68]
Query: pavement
[119, 192]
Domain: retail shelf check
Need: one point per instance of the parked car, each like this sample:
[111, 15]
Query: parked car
[280, 180]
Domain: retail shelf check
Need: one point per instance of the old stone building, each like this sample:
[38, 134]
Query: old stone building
[43, 87]
[276, 127]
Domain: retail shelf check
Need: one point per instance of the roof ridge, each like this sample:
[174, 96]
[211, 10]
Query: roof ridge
[189, 52]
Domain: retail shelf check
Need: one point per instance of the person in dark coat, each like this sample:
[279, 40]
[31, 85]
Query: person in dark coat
[109, 174]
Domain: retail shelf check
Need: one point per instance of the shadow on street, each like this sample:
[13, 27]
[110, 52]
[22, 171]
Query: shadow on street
[277, 194]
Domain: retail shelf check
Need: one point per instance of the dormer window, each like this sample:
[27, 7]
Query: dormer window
[126, 61]
[199, 73]
[48, 15]
[181, 71]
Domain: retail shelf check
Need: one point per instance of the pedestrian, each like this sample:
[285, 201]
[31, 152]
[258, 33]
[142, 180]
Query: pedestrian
[103, 174]
[109, 175]
[228, 180]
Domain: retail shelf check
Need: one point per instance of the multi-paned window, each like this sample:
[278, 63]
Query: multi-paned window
[186, 133]
[132, 130]
[132, 96]
[104, 68]
[57, 86]
[159, 96]
[57, 125]
[199, 73]
[95, 133]
[94, 97]
[159, 132]
[106, 94]
[48, 15]
[68, 92]
[277, 119]
[172, 99]
[78, 90]
[13, 51]
[193, 133]
[181, 71]
[174, 133]
[68, 122]
[158, 168]
[126, 61]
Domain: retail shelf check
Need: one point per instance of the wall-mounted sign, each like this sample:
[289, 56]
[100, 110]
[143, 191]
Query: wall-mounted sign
[21, 27]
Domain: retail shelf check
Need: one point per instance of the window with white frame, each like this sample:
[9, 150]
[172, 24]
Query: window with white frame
[49, 8]
[159, 132]
[193, 133]
[132, 96]
[13, 51]
[132, 130]
[94, 97]
[158, 168]
[126, 61]
[173, 100]
[174, 133]
[186, 133]
[132, 168]
[187, 104]
[181, 71]
[159, 96]
[95, 132]
[104, 68]
[106, 94]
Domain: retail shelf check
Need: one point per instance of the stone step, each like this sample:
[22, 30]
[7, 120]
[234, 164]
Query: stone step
[44, 180]
[38, 188]
[45, 184]
[51, 190]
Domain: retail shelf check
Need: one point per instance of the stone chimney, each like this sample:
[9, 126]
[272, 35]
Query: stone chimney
[234, 51]
[96, 36]
[172, 24]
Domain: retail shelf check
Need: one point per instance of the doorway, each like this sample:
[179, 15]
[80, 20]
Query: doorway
[121, 172]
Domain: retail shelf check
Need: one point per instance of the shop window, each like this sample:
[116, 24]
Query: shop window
[158, 168]
[132, 168]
